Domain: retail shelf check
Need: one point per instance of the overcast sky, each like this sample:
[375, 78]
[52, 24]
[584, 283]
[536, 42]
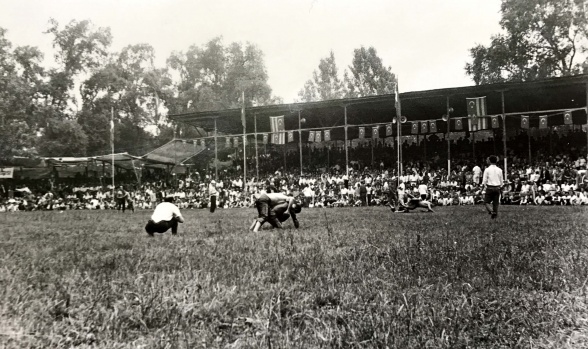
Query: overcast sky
[426, 42]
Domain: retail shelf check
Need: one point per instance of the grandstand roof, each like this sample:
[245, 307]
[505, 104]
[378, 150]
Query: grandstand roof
[520, 97]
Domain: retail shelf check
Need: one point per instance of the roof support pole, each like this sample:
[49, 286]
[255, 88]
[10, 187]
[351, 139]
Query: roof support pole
[244, 140]
[300, 140]
[112, 145]
[346, 147]
[529, 144]
[587, 121]
[215, 152]
[448, 138]
[256, 154]
[474, 144]
[504, 133]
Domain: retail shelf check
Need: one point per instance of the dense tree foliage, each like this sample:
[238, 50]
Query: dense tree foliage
[540, 38]
[66, 110]
[367, 76]
[325, 83]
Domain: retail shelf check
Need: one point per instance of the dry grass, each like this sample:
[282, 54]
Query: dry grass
[370, 278]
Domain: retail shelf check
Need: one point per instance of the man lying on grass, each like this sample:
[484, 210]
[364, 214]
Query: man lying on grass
[275, 208]
[412, 203]
[166, 215]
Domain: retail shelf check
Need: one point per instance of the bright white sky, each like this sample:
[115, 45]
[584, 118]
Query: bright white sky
[426, 42]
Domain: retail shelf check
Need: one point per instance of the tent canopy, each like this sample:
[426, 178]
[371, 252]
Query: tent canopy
[175, 152]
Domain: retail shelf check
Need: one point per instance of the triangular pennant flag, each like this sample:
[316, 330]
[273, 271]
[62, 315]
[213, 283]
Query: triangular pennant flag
[568, 118]
[311, 136]
[327, 135]
[458, 124]
[388, 130]
[317, 136]
[495, 123]
[424, 127]
[433, 126]
[543, 121]
[361, 132]
[415, 128]
[524, 121]
[265, 138]
[290, 136]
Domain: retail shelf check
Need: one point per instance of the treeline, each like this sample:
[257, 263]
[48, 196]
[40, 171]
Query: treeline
[64, 109]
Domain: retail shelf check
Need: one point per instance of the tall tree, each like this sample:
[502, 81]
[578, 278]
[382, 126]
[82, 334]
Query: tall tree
[213, 76]
[79, 48]
[63, 138]
[21, 76]
[130, 85]
[325, 83]
[541, 38]
[368, 76]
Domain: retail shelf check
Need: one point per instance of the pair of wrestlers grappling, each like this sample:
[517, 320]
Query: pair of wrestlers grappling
[275, 209]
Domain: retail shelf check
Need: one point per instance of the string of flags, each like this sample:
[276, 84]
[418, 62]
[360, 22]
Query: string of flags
[477, 120]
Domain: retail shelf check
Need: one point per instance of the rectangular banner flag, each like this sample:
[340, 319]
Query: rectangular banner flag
[458, 124]
[388, 130]
[494, 121]
[433, 126]
[424, 128]
[228, 142]
[477, 123]
[7, 172]
[317, 136]
[265, 137]
[278, 129]
[543, 121]
[476, 106]
[524, 121]
[361, 132]
[568, 118]
[311, 136]
[290, 136]
[279, 138]
[376, 132]
[476, 113]
[236, 142]
[327, 135]
[415, 128]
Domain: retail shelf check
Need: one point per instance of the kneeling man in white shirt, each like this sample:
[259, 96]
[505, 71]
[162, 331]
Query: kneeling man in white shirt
[166, 216]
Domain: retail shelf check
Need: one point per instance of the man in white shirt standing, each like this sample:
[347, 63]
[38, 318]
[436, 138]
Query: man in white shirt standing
[492, 182]
[213, 193]
[166, 215]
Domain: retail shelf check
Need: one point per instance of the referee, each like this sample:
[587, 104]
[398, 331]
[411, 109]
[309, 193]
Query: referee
[492, 182]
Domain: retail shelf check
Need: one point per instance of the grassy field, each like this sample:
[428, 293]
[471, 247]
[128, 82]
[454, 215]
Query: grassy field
[360, 277]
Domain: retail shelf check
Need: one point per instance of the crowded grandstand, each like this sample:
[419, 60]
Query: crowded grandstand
[343, 153]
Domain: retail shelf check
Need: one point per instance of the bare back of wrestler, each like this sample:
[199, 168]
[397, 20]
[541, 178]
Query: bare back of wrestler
[413, 202]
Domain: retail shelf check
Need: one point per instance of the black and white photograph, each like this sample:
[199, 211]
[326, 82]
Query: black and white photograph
[293, 174]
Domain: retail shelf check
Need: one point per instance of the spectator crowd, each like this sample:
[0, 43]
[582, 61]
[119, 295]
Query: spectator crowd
[553, 180]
